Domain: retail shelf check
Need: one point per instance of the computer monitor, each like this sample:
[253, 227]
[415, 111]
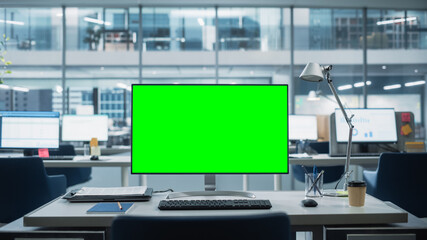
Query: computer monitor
[372, 125]
[210, 129]
[302, 127]
[29, 130]
[84, 127]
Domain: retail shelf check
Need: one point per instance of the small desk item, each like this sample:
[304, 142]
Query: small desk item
[43, 152]
[119, 194]
[110, 207]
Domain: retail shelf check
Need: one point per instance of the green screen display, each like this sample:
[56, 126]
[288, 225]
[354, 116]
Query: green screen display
[209, 129]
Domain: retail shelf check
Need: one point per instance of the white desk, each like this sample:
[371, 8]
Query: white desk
[330, 211]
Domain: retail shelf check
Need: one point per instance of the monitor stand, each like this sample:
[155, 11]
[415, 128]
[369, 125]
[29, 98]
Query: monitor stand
[210, 187]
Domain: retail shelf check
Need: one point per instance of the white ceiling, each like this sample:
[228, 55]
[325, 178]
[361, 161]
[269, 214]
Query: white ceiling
[386, 4]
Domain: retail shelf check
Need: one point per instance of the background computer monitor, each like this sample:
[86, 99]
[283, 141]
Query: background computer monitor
[209, 129]
[370, 125]
[29, 130]
[84, 127]
[302, 127]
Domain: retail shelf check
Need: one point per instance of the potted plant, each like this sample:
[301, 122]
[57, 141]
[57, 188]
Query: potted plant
[4, 63]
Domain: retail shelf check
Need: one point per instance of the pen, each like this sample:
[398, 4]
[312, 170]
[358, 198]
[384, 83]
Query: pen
[311, 179]
[120, 206]
[315, 181]
[315, 176]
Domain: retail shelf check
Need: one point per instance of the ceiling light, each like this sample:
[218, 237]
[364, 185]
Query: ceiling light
[416, 83]
[4, 86]
[97, 21]
[394, 86]
[21, 89]
[201, 22]
[384, 67]
[345, 87]
[361, 84]
[12, 22]
[59, 15]
[121, 85]
[399, 20]
[312, 96]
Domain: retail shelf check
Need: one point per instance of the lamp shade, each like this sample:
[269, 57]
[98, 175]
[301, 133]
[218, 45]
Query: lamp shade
[312, 72]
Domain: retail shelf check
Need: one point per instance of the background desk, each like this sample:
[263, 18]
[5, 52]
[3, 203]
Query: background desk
[105, 161]
[124, 162]
[330, 211]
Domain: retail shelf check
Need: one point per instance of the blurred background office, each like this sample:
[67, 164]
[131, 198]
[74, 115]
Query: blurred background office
[81, 58]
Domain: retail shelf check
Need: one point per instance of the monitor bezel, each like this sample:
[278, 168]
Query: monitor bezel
[366, 142]
[202, 173]
[58, 115]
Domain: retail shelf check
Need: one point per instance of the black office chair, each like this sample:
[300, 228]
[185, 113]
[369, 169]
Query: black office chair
[332, 173]
[233, 227]
[74, 175]
[400, 178]
[25, 186]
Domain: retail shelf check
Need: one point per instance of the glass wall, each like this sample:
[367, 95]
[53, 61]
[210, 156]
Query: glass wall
[178, 29]
[334, 37]
[250, 29]
[32, 28]
[179, 46]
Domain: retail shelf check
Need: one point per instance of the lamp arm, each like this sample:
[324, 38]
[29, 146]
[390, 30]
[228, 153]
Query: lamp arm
[347, 173]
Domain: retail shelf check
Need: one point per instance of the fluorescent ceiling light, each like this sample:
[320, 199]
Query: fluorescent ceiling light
[410, 84]
[12, 22]
[361, 84]
[4, 86]
[121, 85]
[201, 22]
[345, 87]
[97, 21]
[399, 20]
[394, 86]
[21, 89]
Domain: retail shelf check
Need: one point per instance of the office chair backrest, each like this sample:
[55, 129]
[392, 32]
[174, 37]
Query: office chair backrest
[63, 150]
[401, 180]
[24, 186]
[74, 175]
[245, 227]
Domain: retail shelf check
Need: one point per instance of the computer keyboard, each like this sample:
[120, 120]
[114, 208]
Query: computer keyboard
[59, 157]
[214, 204]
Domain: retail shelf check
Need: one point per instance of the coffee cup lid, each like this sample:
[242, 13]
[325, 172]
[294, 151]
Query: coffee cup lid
[356, 184]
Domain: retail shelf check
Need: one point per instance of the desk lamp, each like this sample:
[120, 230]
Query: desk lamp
[314, 72]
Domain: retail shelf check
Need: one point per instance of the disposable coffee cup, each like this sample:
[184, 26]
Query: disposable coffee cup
[356, 193]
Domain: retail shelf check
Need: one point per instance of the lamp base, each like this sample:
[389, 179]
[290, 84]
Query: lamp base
[335, 193]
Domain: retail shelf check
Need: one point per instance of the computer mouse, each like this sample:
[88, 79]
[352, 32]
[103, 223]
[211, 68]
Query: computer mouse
[94, 158]
[309, 202]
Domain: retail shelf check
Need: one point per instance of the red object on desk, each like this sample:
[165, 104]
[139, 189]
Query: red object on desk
[43, 152]
[406, 117]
